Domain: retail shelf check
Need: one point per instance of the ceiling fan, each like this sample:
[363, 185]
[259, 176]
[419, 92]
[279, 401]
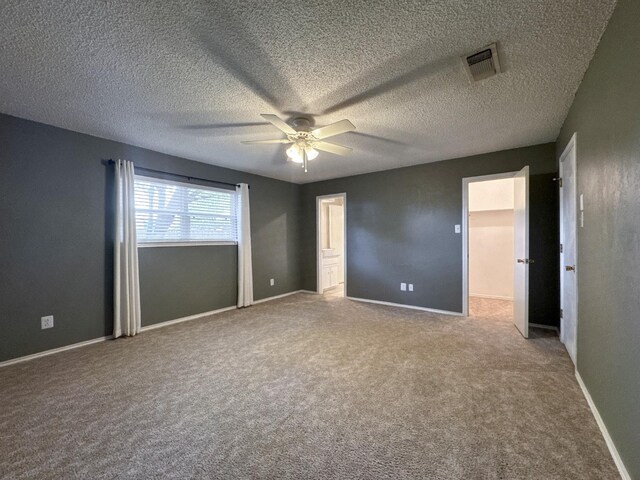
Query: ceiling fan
[307, 142]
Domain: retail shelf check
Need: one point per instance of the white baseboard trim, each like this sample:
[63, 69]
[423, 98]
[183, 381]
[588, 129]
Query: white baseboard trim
[312, 292]
[275, 297]
[493, 297]
[412, 307]
[603, 428]
[546, 327]
[73, 346]
[186, 319]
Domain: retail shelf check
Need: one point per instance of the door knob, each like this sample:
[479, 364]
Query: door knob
[570, 268]
[520, 260]
[525, 260]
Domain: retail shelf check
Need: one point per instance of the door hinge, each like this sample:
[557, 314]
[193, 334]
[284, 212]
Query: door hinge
[560, 248]
[561, 313]
[559, 180]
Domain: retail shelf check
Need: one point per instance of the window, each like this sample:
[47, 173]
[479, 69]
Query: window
[169, 213]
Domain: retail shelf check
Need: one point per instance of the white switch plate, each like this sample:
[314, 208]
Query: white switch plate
[457, 228]
[272, 282]
[46, 322]
[403, 287]
[411, 287]
[581, 202]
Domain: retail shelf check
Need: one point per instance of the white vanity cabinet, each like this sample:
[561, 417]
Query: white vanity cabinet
[331, 267]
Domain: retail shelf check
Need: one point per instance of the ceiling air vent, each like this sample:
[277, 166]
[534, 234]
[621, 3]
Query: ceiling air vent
[483, 63]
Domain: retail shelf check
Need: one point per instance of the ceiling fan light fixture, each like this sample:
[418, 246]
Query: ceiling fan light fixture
[311, 153]
[294, 153]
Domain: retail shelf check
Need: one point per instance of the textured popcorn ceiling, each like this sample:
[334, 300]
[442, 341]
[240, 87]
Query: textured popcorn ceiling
[191, 78]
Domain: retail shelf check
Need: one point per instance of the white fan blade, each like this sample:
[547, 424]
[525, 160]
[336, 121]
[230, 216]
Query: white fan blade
[332, 148]
[278, 123]
[337, 128]
[280, 140]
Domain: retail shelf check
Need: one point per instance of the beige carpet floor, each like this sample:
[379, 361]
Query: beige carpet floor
[306, 387]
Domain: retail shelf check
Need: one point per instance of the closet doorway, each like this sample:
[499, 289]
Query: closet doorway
[496, 246]
[331, 244]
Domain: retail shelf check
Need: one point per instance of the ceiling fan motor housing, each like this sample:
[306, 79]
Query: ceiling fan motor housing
[302, 124]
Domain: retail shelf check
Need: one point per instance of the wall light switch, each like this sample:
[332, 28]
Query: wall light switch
[411, 287]
[46, 322]
[403, 287]
[457, 229]
[272, 282]
[581, 202]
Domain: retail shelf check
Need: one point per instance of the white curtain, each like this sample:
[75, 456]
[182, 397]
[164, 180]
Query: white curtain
[126, 306]
[245, 268]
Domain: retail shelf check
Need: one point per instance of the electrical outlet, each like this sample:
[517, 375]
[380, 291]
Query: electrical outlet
[457, 228]
[46, 322]
[272, 282]
[403, 287]
[411, 287]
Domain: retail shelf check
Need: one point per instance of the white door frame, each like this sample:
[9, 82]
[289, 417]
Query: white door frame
[572, 144]
[465, 231]
[319, 240]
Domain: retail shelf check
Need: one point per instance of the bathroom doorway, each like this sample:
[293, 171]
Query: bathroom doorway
[331, 241]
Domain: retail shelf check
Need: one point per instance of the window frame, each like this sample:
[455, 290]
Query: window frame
[187, 243]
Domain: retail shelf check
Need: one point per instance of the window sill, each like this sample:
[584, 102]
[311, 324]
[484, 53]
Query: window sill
[183, 244]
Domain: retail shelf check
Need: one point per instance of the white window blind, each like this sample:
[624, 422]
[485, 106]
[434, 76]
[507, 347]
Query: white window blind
[172, 212]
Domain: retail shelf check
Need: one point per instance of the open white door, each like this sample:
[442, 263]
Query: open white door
[521, 252]
[568, 221]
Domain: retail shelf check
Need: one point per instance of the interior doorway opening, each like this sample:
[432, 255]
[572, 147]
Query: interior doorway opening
[491, 242]
[331, 215]
[495, 256]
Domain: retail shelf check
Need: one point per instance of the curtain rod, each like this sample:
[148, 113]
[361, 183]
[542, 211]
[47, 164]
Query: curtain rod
[188, 177]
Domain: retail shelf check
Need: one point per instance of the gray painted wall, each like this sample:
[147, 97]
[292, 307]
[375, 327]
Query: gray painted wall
[400, 228]
[606, 116]
[177, 280]
[56, 248]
